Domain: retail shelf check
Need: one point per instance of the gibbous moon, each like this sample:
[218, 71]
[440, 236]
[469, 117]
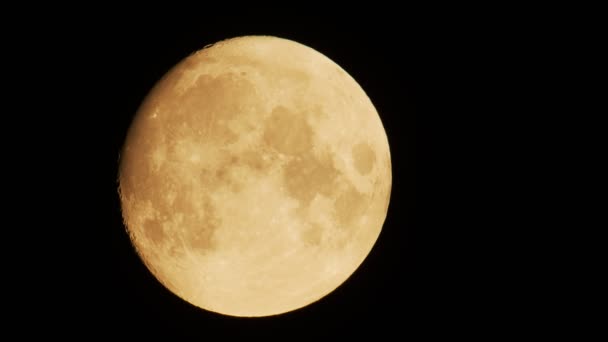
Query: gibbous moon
[255, 177]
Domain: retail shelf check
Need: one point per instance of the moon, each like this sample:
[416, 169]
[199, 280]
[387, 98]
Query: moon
[255, 177]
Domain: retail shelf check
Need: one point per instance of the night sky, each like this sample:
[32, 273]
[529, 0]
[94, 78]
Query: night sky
[416, 280]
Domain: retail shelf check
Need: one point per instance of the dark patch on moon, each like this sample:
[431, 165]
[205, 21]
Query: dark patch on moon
[288, 132]
[254, 159]
[210, 104]
[350, 205]
[363, 158]
[200, 227]
[307, 175]
[153, 230]
[312, 235]
[203, 107]
[183, 200]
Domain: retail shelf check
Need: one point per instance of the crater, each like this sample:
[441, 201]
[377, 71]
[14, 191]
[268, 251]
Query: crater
[273, 71]
[287, 132]
[363, 158]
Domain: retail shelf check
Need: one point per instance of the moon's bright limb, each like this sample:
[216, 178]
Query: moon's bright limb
[255, 177]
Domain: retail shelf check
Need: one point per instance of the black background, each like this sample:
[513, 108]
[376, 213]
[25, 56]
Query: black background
[425, 275]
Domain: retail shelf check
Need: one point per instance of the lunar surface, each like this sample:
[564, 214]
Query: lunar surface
[255, 177]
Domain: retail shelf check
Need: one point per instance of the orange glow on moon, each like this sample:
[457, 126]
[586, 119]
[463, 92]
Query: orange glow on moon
[255, 177]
